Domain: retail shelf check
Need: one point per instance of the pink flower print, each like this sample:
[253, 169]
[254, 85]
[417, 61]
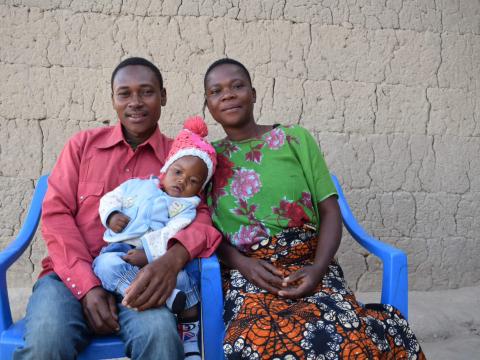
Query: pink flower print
[292, 211]
[255, 154]
[245, 184]
[275, 139]
[223, 173]
[249, 235]
[229, 148]
[291, 139]
[307, 200]
[245, 210]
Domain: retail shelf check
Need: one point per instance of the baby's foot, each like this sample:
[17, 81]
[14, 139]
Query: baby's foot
[176, 301]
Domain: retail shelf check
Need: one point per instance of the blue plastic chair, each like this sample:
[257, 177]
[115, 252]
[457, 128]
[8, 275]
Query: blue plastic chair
[395, 268]
[394, 285]
[106, 347]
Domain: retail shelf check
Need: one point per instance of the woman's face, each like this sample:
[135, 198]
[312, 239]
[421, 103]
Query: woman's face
[137, 98]
[230, 96]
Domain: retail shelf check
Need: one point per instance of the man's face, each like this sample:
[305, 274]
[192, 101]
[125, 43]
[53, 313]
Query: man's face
[137, 98]
[185, 177]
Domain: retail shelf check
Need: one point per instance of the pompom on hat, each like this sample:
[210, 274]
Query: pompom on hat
[190, 142]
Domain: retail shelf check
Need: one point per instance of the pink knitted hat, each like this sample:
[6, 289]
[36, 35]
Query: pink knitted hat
[190, 141]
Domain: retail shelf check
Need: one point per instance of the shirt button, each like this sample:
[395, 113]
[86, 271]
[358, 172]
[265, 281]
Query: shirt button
[73, 286]
[81, 197]
[127, 170]
[68, 279]
[79, 292]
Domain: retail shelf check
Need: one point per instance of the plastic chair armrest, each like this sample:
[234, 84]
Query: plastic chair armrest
[395, 276]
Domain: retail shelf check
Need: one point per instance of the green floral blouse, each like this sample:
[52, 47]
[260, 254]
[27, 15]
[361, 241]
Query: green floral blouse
[261, 186]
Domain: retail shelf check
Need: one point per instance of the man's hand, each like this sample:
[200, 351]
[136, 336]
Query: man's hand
[100, 309]
[136, 257]
[156, 281]
[302, 282]
[117, 222]
[261, 273]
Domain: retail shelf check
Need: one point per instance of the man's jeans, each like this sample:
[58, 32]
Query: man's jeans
[116, 274]
[57, 329]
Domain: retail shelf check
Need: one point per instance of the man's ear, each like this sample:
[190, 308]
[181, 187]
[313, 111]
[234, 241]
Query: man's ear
[163, 95]
[254, 95]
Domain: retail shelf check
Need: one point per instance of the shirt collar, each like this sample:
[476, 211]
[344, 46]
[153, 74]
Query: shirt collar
[114, 138]
[158, 142]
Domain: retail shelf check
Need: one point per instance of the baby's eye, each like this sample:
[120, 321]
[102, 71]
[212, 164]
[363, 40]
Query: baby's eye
[177, 172]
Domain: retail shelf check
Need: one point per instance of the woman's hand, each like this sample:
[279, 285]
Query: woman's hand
[261, 273]
[302, 282]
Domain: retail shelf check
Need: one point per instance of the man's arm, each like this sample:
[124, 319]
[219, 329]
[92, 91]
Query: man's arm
[200, 238]
[67, 248]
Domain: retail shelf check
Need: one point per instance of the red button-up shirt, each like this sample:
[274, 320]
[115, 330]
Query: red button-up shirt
[92, 163]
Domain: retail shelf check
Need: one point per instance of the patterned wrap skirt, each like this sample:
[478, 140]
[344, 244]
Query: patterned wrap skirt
[329, 324]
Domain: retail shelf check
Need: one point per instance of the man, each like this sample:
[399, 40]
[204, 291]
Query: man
[68, 304]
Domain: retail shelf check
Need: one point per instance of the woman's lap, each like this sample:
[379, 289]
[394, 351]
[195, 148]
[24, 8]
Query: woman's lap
[330, 322]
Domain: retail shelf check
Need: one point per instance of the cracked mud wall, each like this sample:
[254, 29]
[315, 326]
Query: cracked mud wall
[391, 90]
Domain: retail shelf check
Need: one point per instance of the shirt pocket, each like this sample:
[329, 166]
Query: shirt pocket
[88, 200]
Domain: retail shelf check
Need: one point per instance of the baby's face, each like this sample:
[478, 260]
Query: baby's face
[185, 177]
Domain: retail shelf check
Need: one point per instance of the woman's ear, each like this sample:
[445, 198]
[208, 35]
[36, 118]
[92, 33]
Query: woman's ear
[254, 95]
[204, 106]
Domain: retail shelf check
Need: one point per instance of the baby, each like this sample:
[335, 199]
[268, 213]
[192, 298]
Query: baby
[142, 215]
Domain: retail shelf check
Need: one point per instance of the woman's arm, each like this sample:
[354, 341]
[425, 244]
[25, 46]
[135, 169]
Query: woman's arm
[330, 233]
[259, 272]
[304, 281]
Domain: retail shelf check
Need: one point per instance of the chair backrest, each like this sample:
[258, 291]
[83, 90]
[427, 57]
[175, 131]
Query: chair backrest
[13, 251]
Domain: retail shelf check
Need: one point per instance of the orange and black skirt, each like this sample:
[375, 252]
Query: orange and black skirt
[330, 324]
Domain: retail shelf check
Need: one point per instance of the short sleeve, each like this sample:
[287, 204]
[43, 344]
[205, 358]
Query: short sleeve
[313, 163]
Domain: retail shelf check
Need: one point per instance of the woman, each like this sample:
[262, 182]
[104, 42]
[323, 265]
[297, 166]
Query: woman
[275, 203]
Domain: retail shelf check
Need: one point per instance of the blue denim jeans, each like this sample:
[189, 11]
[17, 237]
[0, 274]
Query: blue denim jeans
[117, 275]
[57, 329]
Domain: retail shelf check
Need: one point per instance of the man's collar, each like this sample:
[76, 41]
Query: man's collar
[157, 141]
[114, 138]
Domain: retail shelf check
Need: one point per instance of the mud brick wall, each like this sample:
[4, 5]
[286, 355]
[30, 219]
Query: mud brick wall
[391, 90]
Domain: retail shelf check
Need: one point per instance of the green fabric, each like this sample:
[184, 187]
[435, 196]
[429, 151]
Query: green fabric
[262, 186]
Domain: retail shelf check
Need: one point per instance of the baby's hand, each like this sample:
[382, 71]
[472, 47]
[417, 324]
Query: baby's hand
[117, 222]
[136, 257]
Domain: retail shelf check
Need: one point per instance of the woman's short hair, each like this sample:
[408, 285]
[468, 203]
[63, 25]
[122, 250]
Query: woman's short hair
[223, 62]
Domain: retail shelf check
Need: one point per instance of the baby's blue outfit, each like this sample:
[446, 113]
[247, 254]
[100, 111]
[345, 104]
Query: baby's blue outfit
[155, 217]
